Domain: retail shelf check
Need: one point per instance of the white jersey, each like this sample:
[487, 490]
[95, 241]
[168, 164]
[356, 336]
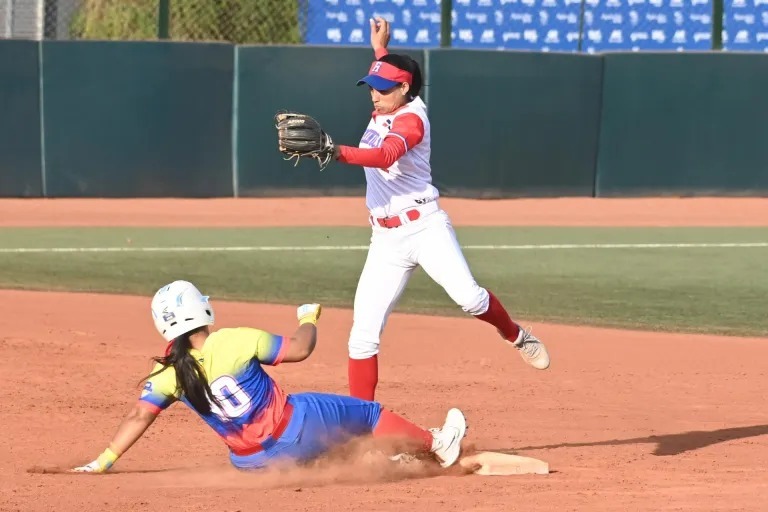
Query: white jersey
[408, 182]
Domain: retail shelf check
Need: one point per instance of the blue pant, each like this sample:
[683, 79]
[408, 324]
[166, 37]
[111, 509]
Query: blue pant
[319, 422]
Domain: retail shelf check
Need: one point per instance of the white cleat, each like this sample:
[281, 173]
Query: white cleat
[446, 441]
[531, 349]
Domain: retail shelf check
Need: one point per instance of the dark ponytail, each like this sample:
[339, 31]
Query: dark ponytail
[190, 377]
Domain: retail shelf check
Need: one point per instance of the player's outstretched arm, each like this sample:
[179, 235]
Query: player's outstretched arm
[303, 341]
[406, 132]
[130, 430]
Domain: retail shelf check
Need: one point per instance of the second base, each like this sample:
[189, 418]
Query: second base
[503, 464]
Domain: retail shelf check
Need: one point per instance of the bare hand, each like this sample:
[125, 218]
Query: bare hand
[379, 33]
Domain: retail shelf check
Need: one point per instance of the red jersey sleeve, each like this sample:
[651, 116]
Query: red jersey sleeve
[408, 127]
[380, 53]
[407, 131]
[382, 157]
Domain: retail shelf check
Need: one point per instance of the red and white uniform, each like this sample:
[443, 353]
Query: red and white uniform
[409, 227]
[398, 176]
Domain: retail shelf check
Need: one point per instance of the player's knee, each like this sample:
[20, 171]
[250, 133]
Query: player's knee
[360, 349]
[362, 344]
[473, 300]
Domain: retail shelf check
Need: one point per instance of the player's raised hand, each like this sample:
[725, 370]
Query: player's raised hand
[308, 313]
[379, 33]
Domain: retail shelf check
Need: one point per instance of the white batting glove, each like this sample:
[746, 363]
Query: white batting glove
[308, 313]
[91, 467]
[102, 463]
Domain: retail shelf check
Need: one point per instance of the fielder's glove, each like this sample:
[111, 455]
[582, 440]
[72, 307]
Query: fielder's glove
[300, 135]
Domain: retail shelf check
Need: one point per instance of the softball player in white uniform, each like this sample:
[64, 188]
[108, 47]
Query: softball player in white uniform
[409, 227]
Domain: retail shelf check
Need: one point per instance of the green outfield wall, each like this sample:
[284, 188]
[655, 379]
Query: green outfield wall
[159, 119]
[514, 123]
[137, 119]
[684, 124]
[20, 154]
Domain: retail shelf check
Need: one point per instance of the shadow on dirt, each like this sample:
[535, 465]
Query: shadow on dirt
[669, 444]
[59, 470]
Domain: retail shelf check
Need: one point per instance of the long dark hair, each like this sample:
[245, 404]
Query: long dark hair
[406, 63]
[190, 377]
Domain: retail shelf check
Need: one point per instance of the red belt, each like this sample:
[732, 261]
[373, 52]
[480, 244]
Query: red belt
[395, 222]
[272, 439]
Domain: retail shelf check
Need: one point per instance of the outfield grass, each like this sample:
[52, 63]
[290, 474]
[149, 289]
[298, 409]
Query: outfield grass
[717, 290]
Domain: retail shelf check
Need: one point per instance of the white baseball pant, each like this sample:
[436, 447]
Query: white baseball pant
[393, 255]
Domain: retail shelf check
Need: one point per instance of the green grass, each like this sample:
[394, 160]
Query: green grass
[717, 290]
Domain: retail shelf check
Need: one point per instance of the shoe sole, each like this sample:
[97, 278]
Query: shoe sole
[529, 362]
